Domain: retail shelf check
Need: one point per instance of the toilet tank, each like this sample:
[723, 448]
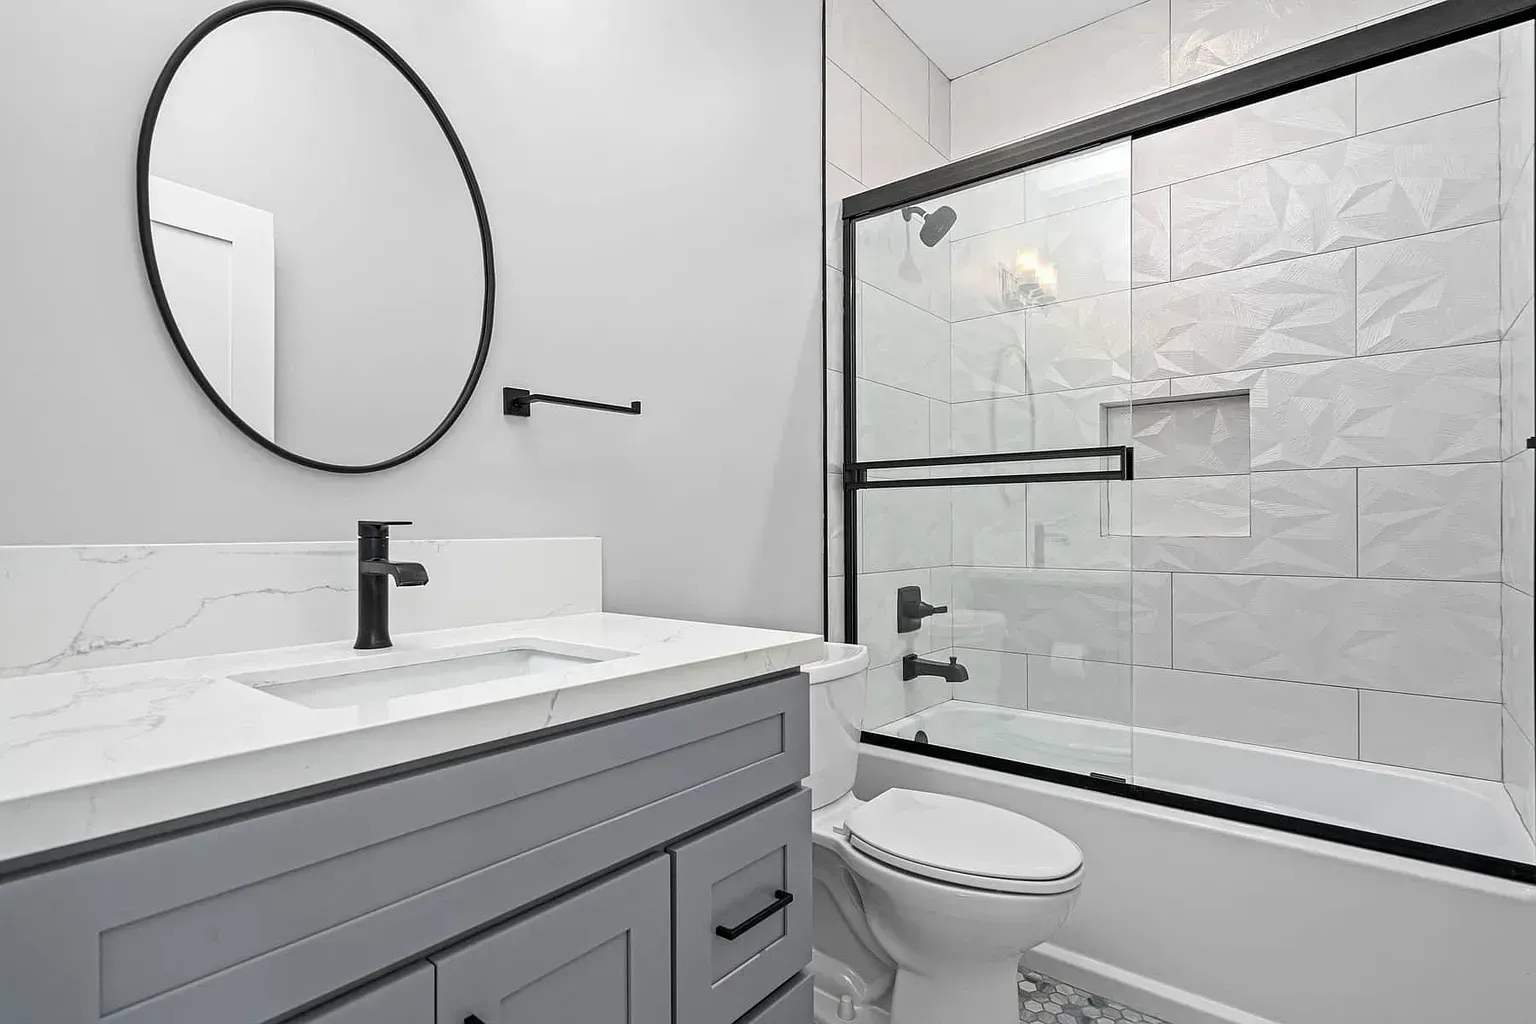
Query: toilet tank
[837, 716]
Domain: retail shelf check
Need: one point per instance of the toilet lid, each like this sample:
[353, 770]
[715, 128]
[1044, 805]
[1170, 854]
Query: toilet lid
[973, 844]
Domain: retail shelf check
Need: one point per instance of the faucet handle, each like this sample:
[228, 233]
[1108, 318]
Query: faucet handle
[379, 527]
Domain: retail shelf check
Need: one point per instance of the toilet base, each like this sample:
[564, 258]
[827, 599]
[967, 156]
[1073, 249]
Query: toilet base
[974, 994]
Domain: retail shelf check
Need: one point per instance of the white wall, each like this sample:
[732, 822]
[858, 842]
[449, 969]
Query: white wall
[652, 190]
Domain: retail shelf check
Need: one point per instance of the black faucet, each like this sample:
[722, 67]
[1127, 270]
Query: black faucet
[373, 572]
[911, 609]
[912, 666]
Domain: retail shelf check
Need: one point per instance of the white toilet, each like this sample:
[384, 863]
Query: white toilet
[924, 902]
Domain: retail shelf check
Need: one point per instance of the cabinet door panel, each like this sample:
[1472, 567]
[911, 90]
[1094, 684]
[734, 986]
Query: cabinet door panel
[599, 956]
[404, 998]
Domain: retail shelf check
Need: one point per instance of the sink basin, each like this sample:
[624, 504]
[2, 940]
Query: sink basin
[379, 676]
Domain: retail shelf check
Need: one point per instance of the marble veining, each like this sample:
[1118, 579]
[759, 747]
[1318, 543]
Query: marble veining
[97, 751]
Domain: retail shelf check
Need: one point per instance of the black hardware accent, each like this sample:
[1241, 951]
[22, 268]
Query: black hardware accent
[1530, 442]
[781, 899]
[152, 265]
[911, 609]
[1106, 777]
[856, 474]
[519, 402]
[921, 737]
[473, 1019]
[912, 666]
[373, 572]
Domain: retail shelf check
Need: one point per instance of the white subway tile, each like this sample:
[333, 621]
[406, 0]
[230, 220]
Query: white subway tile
[1268, 712]
[987, 358]
[890, 256]
[1288, 123]
[1520, 659]
[891, 148]
[1083, 689]
[1458, 737]
[1024, 94]
[1079, 344]
[839, 187]
[836, 630]
[1518, 373]
[1152, 611]
[1068, 528]
[938, 109]
[901, 345]
[996, 677]
[834, 315]
[1065, 613]
[836, 532]
[844, 136]
[1517, 102]
[1300, 524]
[1429, 175]
[938, 428]
[903, 528]
[1055, 419]
[834, 421]
[1445, 78]
[990, 525]
[1520, 522]
[1429, 290]
[1520, 773]
[1151, 246]
[868, 45]
[877, 616]
[1405, 635]
[1430, 522]
[1213, 36]
[1288, 312]
[888, 697]
[892, 424]
[1402, 408]
[1517, 243]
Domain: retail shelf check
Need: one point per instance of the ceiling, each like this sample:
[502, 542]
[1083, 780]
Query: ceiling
[963, 35]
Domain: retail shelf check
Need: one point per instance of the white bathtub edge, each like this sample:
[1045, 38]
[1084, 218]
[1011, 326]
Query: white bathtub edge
[1139, 991]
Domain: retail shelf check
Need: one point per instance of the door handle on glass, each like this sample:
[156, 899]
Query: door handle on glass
[781, 900]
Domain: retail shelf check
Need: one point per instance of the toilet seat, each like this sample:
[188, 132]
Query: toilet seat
[965, 843]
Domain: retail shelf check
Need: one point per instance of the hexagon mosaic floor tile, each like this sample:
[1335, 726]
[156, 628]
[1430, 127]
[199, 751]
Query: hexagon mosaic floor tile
[1044, 1000]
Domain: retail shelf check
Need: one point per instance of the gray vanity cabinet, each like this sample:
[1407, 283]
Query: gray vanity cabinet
[600, 956]
[405, 997]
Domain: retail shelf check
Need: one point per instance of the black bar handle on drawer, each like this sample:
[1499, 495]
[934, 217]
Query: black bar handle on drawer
[781, 899]
[473, 1019]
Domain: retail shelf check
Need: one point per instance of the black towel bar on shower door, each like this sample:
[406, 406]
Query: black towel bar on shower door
[519, 402]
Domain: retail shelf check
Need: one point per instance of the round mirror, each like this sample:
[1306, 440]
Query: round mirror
[314, 236]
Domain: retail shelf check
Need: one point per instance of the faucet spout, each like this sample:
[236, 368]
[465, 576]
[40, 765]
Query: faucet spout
[406, 574]
[374, 569]
[912, 666]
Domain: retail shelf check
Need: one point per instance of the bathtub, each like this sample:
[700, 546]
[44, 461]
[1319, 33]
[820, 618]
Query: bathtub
[1201, 920]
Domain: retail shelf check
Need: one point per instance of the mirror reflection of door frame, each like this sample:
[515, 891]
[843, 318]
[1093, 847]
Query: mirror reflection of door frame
[251, 388]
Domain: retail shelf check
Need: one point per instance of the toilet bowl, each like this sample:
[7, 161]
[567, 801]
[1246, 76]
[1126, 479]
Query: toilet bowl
[924, 902]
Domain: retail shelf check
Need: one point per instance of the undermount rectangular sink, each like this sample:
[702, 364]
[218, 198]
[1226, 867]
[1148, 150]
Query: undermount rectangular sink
[386, 675]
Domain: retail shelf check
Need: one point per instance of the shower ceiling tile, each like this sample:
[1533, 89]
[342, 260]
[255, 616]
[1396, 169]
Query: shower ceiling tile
[1209, 37]
[1192, 437]
[1438, 173]
[1081, 344]
[1268, 712]
[1295, 121]
[1403, 408]
[1459, 737]
[1067, 528]
[1517, 101]
[1429, 290]
[1430, 522]
[1520, 659]
[1300, 524]
[1289, 312]
[1083, 689]
[1403, 635]
[987, 358]
[1066, 613]
[1518, 362]
[904, 528]
[1459, 75]
[1151, 247]
[1520, 522]
[890, 256]
[901, 345]
[1517, 236]
[1089, 249]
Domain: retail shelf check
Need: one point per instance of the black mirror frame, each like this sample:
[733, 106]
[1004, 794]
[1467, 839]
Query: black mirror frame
[152, 268]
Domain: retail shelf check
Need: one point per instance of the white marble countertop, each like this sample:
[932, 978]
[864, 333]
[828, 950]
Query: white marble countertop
[96, 752]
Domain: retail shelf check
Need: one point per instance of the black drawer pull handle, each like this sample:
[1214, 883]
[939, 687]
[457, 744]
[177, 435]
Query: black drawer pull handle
[781, 899]
[473, 1019]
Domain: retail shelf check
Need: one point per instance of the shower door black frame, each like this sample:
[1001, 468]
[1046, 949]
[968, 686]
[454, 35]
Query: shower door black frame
[1358, 50]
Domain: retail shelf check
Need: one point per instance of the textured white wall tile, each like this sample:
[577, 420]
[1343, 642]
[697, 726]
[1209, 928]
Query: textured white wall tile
[1520, 773]
[834, 325]
[938, 109]
[1212, 35]
[844, 137]
[834, 430]
[1459, 737]
[1089, 248]
[839, 187]
[1056, 419]
[1404, 635]
[1438, 173]
[1079, 344]
[1442, 79]
[64, 608]
[1151, 244]
[1517, 101]
[836, 532]
[1083, 689]
[1295, 121]
[997, 677]
[1191, 437]
[901, 345]
[990, 524]
[1068, 528]
[1066, 613]
[836, 631]
[1080, 179]
[1517, 238]
[1429, 290]
[939, 592]
[1520, 522]
[890, 148]
[889, 697]
[986, 207]
[867, 44]
[1300, 524]
[1403, 408]
[892, 424]
[890, 256]
[1102, 65]
[1268, 712]
[987, 357]
[904, 528]
[1153, 627]
[1288, 312]
[1518, 364]
[877, 616]
[938, 428]
[1520, 659]
[1430, 522]
[1195, 506]
[1215, 383]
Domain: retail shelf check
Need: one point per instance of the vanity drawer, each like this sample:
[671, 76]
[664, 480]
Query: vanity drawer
[742, 910]
[405, 997]
[791, 1004]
